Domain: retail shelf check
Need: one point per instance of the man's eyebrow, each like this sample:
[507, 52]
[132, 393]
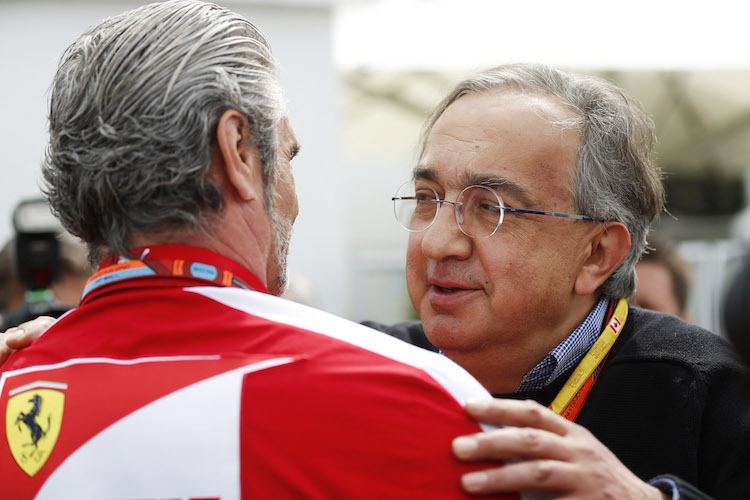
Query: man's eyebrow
[502, 185]
[496, 183]
[424, 173]
[499, 184]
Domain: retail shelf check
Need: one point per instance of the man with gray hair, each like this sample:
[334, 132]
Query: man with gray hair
[528, 209]
[181, 375]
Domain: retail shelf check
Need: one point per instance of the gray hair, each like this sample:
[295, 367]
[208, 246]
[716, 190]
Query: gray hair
[134, 108]
[616, 178]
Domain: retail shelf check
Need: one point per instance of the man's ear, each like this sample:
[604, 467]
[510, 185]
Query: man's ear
[608, 249]
[240, 156]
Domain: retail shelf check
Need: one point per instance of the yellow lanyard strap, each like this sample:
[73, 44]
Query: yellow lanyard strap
[585, 369]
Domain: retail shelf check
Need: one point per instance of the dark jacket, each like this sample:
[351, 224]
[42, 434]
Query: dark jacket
[671, 399]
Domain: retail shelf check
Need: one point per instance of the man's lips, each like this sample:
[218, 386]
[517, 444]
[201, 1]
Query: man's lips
[450, 286]
[445, 294]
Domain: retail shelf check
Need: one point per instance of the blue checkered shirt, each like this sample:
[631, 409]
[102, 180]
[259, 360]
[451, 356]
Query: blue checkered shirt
[569, 352]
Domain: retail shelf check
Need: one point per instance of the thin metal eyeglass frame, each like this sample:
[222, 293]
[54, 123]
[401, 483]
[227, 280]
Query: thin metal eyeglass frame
[501, 206]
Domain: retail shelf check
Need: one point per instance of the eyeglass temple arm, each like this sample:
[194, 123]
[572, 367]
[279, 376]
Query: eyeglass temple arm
[436, 200]
[554, 214]
[511, 209]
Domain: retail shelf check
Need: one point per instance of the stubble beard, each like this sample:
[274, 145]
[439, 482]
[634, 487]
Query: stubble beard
[282, 235]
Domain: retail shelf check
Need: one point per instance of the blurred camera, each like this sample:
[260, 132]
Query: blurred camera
[37, 251]
[36, 261]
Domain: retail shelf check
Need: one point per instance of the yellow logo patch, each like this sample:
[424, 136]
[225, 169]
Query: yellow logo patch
[33, 420]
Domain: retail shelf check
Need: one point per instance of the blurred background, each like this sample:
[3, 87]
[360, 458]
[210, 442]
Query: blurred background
[361, 77]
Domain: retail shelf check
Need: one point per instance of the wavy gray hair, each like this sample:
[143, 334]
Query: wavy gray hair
[134, 108]
[616, 178]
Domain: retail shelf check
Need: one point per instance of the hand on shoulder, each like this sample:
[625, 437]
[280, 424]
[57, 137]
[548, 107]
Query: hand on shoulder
[22, 335]
[556, 455]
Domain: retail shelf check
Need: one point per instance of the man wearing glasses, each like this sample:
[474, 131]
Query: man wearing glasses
[528, 209]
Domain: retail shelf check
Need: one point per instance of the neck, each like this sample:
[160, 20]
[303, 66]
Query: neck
[231, 236]
[501, 370]
[499, 374]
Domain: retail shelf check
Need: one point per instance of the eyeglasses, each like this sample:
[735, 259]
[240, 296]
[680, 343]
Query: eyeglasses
[479, 210]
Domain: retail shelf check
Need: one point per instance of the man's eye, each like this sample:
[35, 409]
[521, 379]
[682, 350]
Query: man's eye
[424, 197]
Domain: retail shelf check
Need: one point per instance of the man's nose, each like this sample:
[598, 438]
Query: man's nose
[444, 238]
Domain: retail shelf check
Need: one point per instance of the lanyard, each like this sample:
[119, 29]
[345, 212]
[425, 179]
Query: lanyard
[572, 396]
[149, 266]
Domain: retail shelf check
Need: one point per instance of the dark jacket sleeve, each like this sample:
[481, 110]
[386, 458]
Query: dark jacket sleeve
[672, 485]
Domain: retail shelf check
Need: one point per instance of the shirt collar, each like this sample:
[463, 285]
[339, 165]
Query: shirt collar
[200, 265]
[569, 352]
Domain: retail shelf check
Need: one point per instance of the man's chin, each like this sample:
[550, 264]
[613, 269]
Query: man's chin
[447, 332]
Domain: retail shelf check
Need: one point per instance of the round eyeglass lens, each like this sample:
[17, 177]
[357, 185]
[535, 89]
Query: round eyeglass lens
[479, 211]
[415, 205]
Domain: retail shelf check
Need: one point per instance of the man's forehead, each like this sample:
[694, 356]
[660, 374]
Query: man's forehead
[516, 144]
[486, 118]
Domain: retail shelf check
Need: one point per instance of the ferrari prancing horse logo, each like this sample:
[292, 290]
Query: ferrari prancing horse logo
[33, 419]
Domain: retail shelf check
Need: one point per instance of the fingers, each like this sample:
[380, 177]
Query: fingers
[566, 480]
[542, 452]
[4, 350]
[509, 443]
[25, 333]
[539, 475]
[530, 435]
[517, 413]
[22, 335]
[526, 430]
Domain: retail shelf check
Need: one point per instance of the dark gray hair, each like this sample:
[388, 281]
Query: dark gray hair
[616, 178]
[134, 108]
